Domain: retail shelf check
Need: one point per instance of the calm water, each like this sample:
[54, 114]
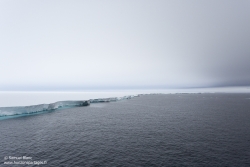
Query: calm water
[152, 130]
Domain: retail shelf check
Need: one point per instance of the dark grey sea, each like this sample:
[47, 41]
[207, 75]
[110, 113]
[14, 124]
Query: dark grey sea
[151, 130]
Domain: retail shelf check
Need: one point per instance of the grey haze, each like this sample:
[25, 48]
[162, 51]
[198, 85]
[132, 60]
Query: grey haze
[68, 45]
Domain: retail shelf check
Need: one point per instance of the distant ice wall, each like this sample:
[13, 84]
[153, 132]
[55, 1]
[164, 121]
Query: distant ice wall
[24, 110]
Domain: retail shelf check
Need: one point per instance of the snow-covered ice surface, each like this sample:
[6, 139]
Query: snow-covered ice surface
[10, 99]
[22, 98]
[24, 103]
[25, 110]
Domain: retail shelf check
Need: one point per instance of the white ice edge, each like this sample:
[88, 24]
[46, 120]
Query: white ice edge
[20, 110]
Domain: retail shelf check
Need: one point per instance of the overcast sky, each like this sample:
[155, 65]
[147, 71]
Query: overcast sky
[80, 44]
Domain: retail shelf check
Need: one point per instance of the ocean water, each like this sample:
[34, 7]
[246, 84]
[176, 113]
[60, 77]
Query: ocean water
[210, 129]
